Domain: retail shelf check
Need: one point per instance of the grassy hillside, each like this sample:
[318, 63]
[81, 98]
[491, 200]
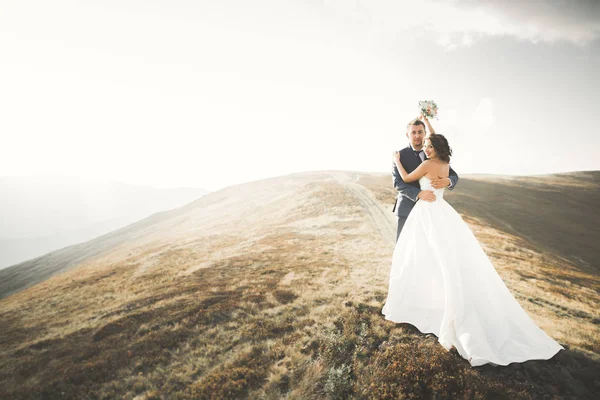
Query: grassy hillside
[556, 213]
[273, 289]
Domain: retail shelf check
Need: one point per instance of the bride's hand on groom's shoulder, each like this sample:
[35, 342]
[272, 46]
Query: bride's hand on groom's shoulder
[396, 156]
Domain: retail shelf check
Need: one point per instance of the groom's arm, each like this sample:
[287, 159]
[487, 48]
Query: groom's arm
[402, 187]
[453, 179]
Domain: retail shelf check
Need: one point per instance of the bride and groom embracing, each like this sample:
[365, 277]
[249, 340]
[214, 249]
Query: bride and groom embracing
[441, 281]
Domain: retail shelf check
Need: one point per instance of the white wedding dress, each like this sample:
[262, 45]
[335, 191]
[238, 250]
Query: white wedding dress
[442, 282]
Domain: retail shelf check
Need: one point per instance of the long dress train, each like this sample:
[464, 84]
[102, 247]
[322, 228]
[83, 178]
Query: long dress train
[442, 282]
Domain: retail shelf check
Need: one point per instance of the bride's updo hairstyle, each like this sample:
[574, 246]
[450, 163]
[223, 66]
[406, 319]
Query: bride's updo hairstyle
[441, 146]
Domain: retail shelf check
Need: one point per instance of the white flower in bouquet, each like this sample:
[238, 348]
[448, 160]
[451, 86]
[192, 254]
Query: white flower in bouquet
[428, 108]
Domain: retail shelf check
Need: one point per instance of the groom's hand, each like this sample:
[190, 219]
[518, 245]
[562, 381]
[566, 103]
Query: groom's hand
[426, 195]
[440, 182]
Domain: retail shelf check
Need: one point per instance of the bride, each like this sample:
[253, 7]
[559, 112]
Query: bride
[442, 282]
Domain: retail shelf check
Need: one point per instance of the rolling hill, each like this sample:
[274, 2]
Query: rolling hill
[274, 288]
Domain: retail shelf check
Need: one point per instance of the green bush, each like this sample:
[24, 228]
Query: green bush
[340, 381]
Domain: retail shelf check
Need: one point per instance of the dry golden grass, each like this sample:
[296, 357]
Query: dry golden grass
[282, 301]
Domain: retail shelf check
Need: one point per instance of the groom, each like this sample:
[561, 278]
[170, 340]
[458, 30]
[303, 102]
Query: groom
[411, 157]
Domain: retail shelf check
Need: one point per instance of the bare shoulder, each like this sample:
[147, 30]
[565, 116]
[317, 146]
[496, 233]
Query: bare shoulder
[446, 169]
[436, 168]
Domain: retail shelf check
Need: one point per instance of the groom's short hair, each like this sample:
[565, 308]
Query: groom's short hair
[415, 121]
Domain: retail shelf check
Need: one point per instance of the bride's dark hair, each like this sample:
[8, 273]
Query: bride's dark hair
[441, 146]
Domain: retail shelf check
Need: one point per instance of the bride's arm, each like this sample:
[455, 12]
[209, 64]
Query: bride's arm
[413, 176]
[429, 127]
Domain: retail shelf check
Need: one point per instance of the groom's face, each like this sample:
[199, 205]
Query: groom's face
[416, 135]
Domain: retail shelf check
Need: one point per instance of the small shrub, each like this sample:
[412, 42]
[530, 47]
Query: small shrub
[337, 349]
[339, 382]
[285, 296]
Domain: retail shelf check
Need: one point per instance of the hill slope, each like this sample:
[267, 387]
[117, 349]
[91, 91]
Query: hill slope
[557, 213]
[42, 214]
[274, 289]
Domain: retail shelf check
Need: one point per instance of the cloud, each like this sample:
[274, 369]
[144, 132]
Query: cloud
[462, 23]
[574, 21]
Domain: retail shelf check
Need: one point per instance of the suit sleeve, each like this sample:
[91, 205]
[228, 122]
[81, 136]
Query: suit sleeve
[402, 187]
[453, 178]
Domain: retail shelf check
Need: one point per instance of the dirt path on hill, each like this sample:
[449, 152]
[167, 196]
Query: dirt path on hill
[382, 218]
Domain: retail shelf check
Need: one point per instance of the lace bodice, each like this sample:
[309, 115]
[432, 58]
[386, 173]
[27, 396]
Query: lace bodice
[425, 184]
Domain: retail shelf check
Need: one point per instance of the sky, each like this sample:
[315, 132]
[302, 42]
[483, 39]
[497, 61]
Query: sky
[211, 94]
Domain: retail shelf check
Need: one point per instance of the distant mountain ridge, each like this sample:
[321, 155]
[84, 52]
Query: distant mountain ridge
[40, 215]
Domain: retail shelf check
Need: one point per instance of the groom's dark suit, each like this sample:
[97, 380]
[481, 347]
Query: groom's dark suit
[408, 192]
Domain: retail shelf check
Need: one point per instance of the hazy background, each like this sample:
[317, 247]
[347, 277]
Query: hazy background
[209, 94]
[43, 214]
[202, 94]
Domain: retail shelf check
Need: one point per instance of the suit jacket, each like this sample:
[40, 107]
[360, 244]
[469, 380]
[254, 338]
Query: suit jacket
[408, 192]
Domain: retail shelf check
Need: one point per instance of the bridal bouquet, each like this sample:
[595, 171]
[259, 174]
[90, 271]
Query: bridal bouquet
[428, 108]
